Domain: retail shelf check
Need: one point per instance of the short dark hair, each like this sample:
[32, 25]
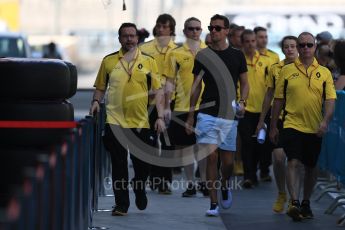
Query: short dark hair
[289, 37]
[221, 17]
[259, 28]
[190, 19]
[164, 18]
[237, 28]
[307, 33]
[246, 32]
[128, 24]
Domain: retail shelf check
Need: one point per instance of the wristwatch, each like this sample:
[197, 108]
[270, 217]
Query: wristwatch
[242, 101]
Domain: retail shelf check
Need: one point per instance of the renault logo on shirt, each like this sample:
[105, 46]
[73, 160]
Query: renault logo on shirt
[260, 64]
[140, 66]
[294, 75]
[318, 75]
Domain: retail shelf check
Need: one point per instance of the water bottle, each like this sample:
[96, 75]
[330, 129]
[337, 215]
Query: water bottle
[262, 135]
[236, 108]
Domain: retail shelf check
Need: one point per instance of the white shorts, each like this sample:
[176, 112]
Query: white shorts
[218, 131]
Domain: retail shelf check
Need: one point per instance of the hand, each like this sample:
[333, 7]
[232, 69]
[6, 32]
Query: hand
[261, 125]
[241, 111]
[159, 125]
[274, 135]
[322, 129]
[189, 125]
[94, 108]
[167, 116]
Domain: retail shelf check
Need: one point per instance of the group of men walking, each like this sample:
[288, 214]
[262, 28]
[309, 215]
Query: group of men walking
[154, 86]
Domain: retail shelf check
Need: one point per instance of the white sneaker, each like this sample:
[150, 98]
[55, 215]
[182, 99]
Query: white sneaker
[227, 202]
[213, 212]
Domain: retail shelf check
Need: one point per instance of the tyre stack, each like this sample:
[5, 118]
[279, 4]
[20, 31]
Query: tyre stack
[34, 91]
[34, 116]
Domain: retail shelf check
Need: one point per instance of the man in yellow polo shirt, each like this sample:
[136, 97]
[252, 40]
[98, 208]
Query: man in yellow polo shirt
[130, 77]
[258, 67]
[262, 40]
[179, 73]
[159, 48]
[308, 91]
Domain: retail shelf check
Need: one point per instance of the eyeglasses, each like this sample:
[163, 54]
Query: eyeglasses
[217, 28]
[193, 28]
[303, 45]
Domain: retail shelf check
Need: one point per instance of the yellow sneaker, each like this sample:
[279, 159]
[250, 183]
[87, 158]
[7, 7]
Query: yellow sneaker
[279, 204]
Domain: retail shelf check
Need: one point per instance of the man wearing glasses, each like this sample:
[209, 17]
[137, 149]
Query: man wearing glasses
[307, 90]
[181, 62]
[214, 130]
[130, 77]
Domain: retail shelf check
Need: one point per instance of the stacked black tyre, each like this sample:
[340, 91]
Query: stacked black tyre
[34, 91]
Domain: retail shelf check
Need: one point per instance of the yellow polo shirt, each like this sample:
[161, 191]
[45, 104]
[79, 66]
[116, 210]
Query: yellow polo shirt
[273, 74]
[159, 54]
[305, 92]
[127, 98]
[257, 73]
[180, 63]
[273, 56]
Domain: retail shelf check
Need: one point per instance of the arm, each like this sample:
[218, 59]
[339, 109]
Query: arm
[97, 98]
[328, 113]
[169, 89]
[244, 89]
[159, 98]
[265, 107]
[277, 106]
[194, 96]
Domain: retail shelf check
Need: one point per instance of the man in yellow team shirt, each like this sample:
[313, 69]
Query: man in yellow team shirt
[159, 48]
[307, 89]
[181, 62]
[262, 40]
[258, 66]
[289, 48]
[130, 77]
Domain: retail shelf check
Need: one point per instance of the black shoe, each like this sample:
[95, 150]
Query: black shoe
[306, 210]
[164, 189]
[294, 211]
[190, 191]
[203, 189]
[119, 211]
[141, 200]
[247, 184]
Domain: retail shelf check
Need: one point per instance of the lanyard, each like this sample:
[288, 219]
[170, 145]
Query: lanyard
[305, 73]
[255, 61]
[130, 67]
[161, 51]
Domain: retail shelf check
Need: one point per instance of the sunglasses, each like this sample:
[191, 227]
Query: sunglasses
[303, 45]
[193, 28]
[217, 28]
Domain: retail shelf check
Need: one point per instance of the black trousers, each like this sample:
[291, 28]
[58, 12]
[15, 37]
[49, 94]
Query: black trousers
[159, 174]
[118, 154]
[252, 151]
